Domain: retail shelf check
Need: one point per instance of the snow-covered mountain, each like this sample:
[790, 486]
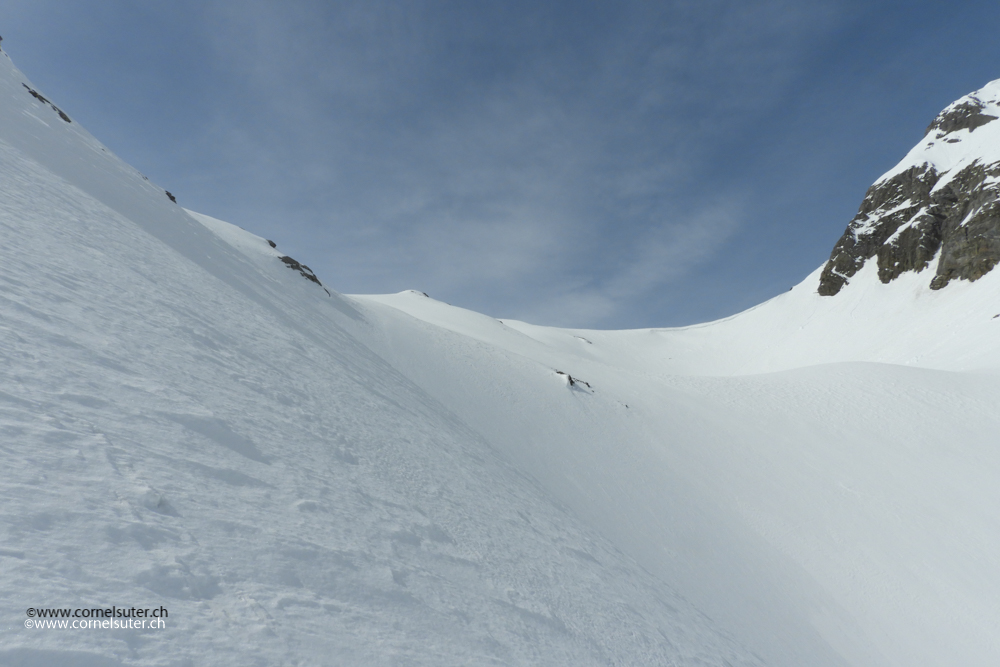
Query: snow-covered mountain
[192, 419]
[940, 205]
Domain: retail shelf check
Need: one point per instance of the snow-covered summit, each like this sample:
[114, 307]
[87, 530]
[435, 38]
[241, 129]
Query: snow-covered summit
[939, 206]
[962, 133]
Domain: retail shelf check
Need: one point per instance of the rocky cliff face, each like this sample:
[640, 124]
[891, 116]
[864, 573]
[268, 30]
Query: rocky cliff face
[939, 206]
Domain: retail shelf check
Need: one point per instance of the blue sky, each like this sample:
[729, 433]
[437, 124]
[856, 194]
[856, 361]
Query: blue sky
[594, 164]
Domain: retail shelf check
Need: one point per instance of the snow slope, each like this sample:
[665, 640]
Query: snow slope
[836, 457]
[188, 423]
[304, 478]
[839, 510]
[844, 512]
[959, 148]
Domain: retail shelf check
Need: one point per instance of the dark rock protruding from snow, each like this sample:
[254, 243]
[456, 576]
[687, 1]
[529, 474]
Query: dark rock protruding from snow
[963, 116]
[574, 381]
[886, 207]
[41, 98]
[303, 270]
[940, 205]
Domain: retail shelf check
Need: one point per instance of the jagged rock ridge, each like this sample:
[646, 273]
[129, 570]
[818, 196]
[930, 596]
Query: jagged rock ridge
[940, 203]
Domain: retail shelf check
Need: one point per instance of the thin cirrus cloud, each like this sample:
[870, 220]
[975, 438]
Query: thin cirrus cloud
[571, 163]
[510, 160]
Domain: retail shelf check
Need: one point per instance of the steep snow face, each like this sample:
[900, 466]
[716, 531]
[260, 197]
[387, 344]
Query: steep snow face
[187, 423]
[939, 206]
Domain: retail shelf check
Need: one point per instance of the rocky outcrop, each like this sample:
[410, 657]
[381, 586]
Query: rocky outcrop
[41, 98]
[962, 116]
[927, 210]
[303, 270]
[887, 206]
[970, 231]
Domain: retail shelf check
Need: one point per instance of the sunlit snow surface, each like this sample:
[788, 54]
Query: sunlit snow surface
[950, 153]
[846, 506]
[304, 479]
[186, 422]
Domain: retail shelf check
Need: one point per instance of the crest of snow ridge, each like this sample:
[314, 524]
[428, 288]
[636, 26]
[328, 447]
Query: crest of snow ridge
[942, 201]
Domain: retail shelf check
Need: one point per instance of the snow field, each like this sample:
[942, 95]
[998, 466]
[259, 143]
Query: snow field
[188, 423]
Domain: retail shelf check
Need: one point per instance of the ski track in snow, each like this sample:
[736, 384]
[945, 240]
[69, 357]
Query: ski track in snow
[314, 479]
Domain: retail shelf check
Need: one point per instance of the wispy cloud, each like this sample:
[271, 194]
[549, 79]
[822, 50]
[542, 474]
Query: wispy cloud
[663, 256]
[576, 163]
[506, 159]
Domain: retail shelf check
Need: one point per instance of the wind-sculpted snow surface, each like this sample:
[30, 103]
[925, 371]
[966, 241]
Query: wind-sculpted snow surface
[187, 424]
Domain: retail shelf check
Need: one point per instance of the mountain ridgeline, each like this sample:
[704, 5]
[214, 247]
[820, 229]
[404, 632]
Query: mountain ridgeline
[940, 204]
